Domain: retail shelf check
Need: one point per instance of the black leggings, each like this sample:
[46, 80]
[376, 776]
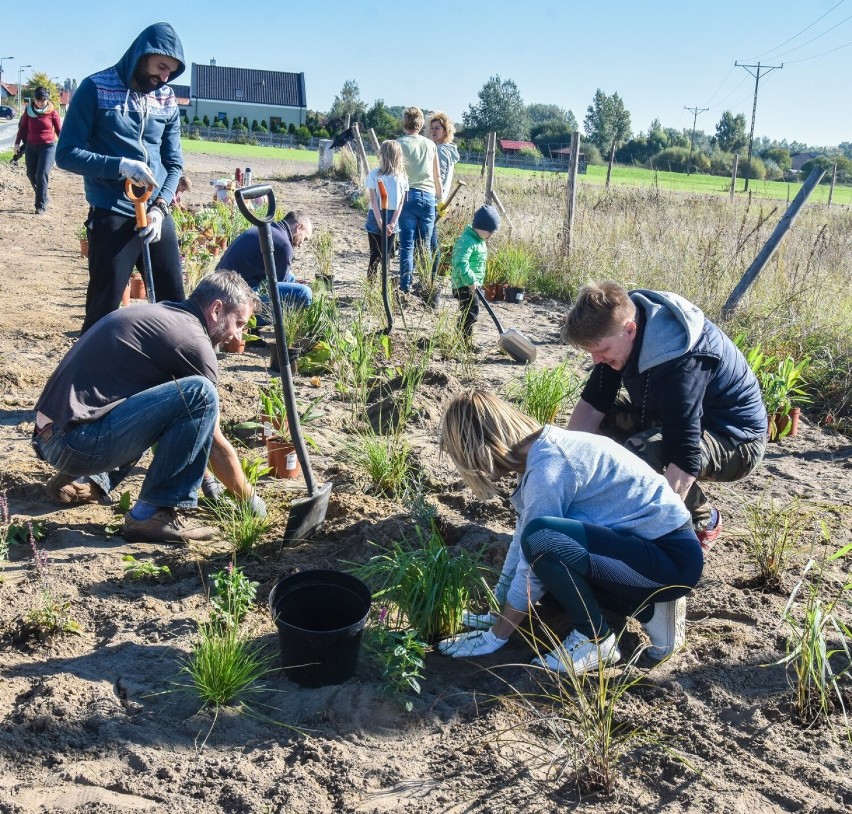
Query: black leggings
[586, 566]
[114, 251]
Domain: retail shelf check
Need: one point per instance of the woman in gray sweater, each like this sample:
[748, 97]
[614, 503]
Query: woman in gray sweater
[596, 527]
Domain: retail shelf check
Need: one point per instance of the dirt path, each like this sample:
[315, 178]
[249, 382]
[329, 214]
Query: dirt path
[97, 722]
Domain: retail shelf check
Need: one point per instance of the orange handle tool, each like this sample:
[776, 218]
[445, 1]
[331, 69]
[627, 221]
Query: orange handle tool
[383, 193]
[138, 201]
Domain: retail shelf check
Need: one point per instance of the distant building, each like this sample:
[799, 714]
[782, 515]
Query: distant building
[510, 147]
[800, 159]
[275, 97]
[8, 94]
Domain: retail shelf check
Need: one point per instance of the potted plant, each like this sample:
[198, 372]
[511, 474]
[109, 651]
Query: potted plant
[517, 264]
[783, 389]
[280, 450]
[238, 345]
[323, 241]
[494, 283]
[83, 236]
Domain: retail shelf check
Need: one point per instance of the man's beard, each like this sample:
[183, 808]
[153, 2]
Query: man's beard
[148, 82]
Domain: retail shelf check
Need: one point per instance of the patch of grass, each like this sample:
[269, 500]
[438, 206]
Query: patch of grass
[426, 586]
[774, 529]
[240, 524]
[385, 460]
[543, 393]
[248, 151]
[224, 667]
[819, 635]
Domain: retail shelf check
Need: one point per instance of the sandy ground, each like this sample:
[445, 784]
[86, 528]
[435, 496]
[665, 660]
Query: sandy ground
[98, 722]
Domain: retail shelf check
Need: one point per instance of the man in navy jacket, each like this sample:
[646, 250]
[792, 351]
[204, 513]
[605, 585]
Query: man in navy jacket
[693, 409]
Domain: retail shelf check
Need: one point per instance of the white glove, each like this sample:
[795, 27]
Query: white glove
[151, 233]
[474, 643]
[478, 621]
[138, 172]
[257, 505]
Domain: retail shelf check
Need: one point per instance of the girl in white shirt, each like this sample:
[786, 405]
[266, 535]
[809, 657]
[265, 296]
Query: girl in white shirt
[391, 171]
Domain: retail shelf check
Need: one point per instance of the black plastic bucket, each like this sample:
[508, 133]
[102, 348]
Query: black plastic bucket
[320, 616]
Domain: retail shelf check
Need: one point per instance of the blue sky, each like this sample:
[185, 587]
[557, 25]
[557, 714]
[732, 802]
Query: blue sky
[659, 56]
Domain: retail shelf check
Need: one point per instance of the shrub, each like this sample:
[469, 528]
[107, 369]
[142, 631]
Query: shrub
[721, 163]
[291, 129]
[754, 170]
[219, 125]
[303, 135]
[675, 159]
[206, 120]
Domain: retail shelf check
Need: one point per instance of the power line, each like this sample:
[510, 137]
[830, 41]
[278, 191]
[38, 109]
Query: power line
[814, 39]
[756, 73]
[824, 53]
[811, 25]
[720, 85]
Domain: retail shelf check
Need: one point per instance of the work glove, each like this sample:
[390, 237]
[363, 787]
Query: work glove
[138, 172]
[151, 232]
[473, 643]
[211, 487]
[441, 209]
[478, 621]
[257, 505]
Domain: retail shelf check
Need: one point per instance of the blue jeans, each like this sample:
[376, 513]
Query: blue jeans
[415, 227]
[586, 566]
[293, 295]
[179, 417]
[39, 159]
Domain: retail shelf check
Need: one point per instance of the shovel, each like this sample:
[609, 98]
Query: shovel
[141, 223]
[511, 342]
[307, 514]
[383, 194]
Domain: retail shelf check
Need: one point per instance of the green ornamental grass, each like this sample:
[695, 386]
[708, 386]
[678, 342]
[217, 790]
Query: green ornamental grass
[426, 585]
[543, 393]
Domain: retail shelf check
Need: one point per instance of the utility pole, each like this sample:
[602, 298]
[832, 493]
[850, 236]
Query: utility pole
[695, 111]
[756, 71]
[1, 72]
[21, 69]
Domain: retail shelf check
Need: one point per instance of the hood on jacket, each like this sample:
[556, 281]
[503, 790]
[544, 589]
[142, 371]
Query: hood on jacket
[159, 38]
[451, 150]
[672, 327]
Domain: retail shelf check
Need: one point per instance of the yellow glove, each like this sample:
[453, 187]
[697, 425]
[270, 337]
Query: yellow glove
[442, 207]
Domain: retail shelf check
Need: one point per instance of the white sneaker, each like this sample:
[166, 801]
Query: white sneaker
[580, 654]
[478, 621]
[667, 628]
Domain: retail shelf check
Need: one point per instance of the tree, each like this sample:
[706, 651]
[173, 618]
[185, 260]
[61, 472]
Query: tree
[42, 80]
[382, 120]
[551, 126]
[731, 132]
[347, 103]
[607, 125]
[779, 155]
[500, 109]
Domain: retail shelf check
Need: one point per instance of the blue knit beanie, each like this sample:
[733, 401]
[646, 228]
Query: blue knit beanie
[486, 218]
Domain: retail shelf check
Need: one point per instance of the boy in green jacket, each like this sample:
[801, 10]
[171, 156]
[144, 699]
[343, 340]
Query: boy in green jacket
[469, 257]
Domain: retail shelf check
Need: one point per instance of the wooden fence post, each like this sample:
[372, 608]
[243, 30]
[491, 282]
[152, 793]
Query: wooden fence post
[489, 162]
[360, 152]
[831, 188]
[734, 175]
[784, 225]
[571, 195]
[374, 140]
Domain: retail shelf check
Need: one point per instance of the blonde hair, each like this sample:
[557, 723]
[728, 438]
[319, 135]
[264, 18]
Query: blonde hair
[412, 119]
[483, 435]
[391, 161]
[600, 310]
[446, 123]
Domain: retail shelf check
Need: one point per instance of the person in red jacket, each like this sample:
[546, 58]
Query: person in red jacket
[38, 130]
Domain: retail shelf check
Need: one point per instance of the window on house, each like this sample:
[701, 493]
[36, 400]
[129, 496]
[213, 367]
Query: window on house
[221, 116]
[238, 92]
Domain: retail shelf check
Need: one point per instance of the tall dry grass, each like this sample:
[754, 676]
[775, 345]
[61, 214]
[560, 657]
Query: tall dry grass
[700, 246]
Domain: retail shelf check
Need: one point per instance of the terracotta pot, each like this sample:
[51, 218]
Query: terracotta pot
[493, 292]
[234, 345]
[84, 247]
[125, 297]
[222, 242]
[137, 287]
[784, 426]
[514, 293]
[281, 456]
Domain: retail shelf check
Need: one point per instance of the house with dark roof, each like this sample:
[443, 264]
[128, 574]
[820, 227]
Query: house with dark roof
[275, 97]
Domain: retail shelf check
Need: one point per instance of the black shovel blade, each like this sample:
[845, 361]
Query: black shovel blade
[307, 515]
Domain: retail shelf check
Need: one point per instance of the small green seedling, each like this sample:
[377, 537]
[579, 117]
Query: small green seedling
[143, 569]
[121, 509]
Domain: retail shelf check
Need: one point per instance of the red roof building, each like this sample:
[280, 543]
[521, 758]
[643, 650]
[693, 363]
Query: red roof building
[510, 147]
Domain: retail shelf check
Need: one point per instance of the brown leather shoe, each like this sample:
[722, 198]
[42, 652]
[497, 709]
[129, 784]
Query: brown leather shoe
[164, 526]
[64, 489]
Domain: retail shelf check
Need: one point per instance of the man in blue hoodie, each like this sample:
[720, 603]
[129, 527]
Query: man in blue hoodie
[693, 409]
[124, 123]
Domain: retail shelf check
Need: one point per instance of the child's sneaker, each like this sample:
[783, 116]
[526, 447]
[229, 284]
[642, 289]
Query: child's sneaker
[579, 654]
[666, 628]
